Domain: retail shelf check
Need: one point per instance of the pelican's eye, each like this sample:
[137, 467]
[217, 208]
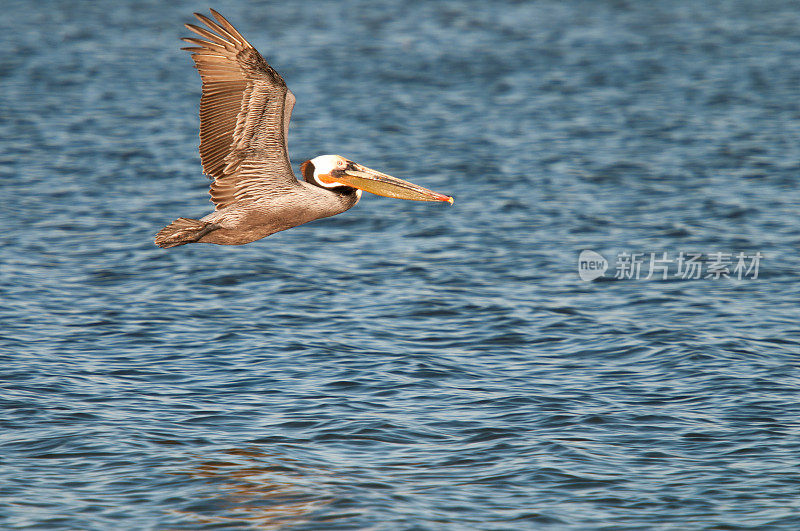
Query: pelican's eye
[340, 163]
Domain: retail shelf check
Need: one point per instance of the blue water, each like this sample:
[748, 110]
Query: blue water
[406, 365]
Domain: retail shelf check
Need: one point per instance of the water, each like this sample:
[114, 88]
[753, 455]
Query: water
[406, 365]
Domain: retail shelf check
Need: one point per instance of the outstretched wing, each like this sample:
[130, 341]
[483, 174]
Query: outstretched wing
[244, 115]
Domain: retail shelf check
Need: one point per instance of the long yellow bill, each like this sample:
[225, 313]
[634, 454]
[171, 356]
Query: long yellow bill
[379, 183]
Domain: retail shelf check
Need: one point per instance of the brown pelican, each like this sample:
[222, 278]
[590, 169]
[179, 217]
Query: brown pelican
[244, 120]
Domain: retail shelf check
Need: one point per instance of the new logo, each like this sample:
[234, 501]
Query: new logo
[591, 265]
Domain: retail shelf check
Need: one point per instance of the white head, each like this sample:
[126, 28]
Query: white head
[319, 170]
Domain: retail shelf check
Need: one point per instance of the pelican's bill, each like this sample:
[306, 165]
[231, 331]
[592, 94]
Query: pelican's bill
[379, 183]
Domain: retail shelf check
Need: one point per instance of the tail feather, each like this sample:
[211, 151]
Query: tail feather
[183, 231]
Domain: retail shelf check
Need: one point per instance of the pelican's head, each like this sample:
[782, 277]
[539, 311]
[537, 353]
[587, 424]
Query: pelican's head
[334, 171]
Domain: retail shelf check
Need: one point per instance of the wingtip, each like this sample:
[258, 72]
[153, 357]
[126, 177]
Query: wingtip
[218, 16]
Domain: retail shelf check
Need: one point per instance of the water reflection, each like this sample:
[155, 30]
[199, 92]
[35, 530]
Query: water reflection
[254, 488]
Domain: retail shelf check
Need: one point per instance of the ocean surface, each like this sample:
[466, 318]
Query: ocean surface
[409, 365]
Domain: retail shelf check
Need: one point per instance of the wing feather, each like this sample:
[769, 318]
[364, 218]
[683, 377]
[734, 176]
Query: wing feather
[245, 110]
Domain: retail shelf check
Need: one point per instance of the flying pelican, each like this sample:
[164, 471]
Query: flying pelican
[244, 121]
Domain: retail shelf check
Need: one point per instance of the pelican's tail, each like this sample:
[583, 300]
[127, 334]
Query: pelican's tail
[183, 231]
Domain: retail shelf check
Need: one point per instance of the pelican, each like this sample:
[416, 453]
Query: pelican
[245, 110]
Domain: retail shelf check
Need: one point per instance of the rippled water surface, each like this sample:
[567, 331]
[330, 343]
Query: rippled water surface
[406, 365]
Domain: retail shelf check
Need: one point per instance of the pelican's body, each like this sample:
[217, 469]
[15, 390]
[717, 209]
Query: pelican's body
[244, 119]
[248, 221]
